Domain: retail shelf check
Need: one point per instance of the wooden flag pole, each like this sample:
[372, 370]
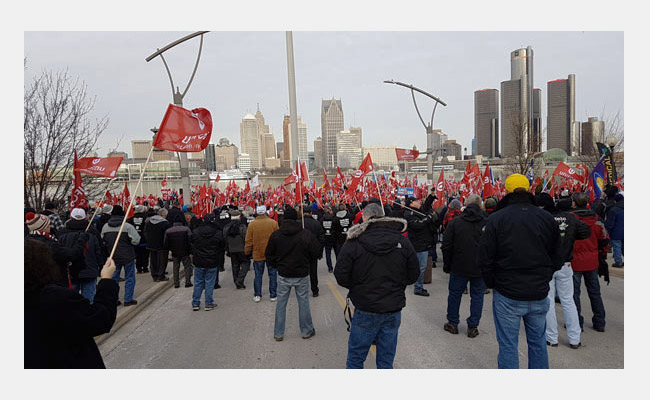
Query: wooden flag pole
[409, 208]
[97, 208]
[378, 191]
[126, 213]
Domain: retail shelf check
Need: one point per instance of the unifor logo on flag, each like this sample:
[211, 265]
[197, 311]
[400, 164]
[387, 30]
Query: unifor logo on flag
[184, 130]
[406, 154]
[96, 166]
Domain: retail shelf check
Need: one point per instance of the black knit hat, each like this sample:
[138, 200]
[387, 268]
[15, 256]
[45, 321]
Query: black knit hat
[290, 213]
[117, 210]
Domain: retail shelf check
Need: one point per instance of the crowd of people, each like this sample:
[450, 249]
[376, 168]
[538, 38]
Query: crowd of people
[530, 249]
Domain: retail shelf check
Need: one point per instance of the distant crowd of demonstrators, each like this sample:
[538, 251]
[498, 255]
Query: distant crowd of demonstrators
[529, 248]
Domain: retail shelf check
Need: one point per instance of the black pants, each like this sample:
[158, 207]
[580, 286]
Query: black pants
[313, 275]
[141, 259]
[158, 261]
[240, 266]
[337, 249]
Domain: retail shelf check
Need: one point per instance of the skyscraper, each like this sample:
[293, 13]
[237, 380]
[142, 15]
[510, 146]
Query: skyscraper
[561, 115]
[250, 140]
[225, 155]
[286, 137]
[302, 138]
[486, 122]
[592, 131]
[331, 125]
[210, 161]
[520, 107]
[269, 145]
[348, 149]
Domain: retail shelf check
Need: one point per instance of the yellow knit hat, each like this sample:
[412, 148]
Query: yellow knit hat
[516, 181]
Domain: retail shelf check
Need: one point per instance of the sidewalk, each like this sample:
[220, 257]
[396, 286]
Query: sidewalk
[146, 290]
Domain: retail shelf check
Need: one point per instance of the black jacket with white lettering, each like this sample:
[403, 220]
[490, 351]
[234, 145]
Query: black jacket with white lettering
[376, 264]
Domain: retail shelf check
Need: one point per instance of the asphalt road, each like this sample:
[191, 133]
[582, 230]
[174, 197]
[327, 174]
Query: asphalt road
[239, 333]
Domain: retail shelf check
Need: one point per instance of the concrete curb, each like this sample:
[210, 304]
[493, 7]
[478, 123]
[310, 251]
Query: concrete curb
[125, 314]
[617, 272]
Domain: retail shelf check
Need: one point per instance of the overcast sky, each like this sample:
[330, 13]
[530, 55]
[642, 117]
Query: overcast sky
[238, 70]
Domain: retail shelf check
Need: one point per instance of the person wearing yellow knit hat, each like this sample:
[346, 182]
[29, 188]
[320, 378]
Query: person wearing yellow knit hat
[517, 256]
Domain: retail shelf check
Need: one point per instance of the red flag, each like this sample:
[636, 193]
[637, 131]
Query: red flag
[164, 182]
[304, 174]
[326, 183]
[468, 172]
[184, 130]
[488, 189]
[365, 167]
[440, 190]
[126, 200]
[78, 196]
[97, 166]
[218, 177]
[406, 154]
[566, 171]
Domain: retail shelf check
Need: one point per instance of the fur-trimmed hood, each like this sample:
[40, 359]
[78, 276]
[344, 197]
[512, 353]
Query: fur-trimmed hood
[398, 224]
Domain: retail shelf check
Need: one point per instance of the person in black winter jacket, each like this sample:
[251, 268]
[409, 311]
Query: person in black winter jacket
[177, 241]
[459, 250]
[234, 234]
[317, 230]
[421, 230]
[207, 243]
[60, 324]
[138, 220]
[85, 281]
[340, 225]
[291, 249]
[124, 256]
[329, 239]
[376, 264]
[517, 256]
[103, 217]
[175, 211]
[154, 233]
[571, 229]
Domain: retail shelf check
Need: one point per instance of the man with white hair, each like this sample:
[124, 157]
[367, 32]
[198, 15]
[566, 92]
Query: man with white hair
[459, 250]
[257, 237]
[376, 263]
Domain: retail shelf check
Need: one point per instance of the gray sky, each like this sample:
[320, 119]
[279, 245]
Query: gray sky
[240, 69]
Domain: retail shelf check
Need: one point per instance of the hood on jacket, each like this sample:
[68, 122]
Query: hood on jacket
[156, 219]
[76, 224]
[472, 213]
[290, 227]
[379, 242]
[514, 198]
[115, 220]
[341, 214]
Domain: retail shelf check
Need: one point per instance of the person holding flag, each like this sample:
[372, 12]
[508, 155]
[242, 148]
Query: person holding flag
[421, 221]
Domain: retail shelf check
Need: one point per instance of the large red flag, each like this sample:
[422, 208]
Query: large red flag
[488, 189]
[440, 190]
[184, 130]
[126, 200]
[326, 183]
[566, 171]
[365, 167]
[97, 166]
[406, 154]
[468, 172]
[78, 196]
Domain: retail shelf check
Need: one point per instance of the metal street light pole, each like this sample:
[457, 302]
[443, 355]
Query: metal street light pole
[293, 108]
[178, 101]
[429, 127]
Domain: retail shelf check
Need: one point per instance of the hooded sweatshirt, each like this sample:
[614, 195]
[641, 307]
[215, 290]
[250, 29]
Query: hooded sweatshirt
[460, 245]
[154, 232]
[291, 248]
[125, 252]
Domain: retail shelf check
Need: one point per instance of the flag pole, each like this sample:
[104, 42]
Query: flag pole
[97, 208]
[409, 208]
[126, 213]
[378, 191]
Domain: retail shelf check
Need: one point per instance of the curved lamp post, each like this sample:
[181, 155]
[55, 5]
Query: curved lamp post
[429, 127]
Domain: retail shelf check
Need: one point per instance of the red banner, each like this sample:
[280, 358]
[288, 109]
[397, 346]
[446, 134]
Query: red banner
[566, 171]
[78, 196]
[406, 154]
[184, 130]
[97, 166]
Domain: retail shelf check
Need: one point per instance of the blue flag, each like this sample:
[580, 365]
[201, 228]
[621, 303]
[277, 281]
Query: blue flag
[597, 178]
[529, 174]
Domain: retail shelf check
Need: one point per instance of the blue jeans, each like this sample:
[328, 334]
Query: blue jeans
[617, 249]
[273, 279]
[562, 284]
[301, 286]
[507, 320]
[129, 279]
[593, 290]
[366, 327]
[87, 287]
[204, 278]
[328, 257]
[422, 259]
[458, 284]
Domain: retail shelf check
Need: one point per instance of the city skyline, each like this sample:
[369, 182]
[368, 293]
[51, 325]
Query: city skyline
[358, 65]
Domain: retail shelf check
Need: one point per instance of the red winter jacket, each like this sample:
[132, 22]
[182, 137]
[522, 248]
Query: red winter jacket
[585, 252]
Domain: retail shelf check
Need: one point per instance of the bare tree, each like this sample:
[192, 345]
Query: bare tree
[613, 127]
[56, 122]
[519, 161]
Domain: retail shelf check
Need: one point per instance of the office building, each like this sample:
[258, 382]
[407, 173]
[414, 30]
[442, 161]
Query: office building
[561, 115]
[486, 123]
[269, 146]
[452, 150]
[383, 157]
[279, 146]
[140, 148]
[250, 140]
[302, 138]
[348, 149]
[210, 161]
[520, 107]
[331, 125]
[225, 155]
[119, 154]
[592, 131]
[244, 162]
